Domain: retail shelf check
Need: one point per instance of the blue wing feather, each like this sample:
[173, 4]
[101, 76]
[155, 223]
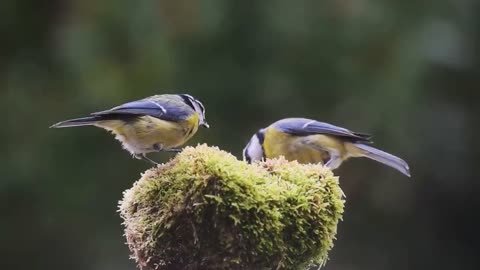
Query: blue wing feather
[306, 127]
[162, 109]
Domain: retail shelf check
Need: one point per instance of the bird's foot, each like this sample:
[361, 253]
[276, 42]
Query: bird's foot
[176, 150]
[144, 157]
[159, 148]
[333, 163]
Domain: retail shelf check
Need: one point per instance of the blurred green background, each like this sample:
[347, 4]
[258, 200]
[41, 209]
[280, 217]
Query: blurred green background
[405, 71]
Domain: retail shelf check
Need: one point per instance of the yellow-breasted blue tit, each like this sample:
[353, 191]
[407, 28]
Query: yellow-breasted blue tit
[310, 141]
[153, 124]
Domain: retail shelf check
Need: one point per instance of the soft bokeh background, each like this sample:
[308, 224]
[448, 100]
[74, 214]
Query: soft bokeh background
[405, 71]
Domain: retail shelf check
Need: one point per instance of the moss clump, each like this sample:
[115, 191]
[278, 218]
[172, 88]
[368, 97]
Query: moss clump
[207, 210]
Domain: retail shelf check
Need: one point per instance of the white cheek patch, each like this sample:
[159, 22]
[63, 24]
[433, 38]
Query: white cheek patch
[254, 149]
[198, 109]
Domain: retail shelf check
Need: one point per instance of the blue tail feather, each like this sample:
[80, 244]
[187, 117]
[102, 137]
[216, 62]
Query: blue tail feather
[84, 121]
[385, 158]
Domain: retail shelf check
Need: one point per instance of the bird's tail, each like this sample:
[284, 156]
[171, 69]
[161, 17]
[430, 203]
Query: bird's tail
[84, 121]
[385, 158]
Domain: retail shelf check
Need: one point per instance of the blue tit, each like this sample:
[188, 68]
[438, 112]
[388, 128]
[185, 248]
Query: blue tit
[153, 124]
[310, 141]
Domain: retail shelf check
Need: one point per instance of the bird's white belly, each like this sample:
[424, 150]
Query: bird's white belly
[133, 146]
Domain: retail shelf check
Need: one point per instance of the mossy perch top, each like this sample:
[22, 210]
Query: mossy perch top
[205, 209]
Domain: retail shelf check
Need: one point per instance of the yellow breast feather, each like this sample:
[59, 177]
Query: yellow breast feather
[146, 133]
[304, 149]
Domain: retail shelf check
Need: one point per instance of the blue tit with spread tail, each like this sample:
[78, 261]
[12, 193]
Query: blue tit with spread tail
[310, 141]
[153, 124]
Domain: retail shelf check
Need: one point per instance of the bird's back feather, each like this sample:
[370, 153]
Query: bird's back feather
[306, 127]
[165, 107]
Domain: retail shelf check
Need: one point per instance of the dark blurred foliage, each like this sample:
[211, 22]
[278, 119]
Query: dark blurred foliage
[405, 71]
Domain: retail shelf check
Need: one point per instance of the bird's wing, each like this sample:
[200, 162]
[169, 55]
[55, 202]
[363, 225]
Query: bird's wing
[305, 127]
[170, 110]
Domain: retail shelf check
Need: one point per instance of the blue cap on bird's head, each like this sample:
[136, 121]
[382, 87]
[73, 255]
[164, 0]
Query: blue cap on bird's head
[198, 107]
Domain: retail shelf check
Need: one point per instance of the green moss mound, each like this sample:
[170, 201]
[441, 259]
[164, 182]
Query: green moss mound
[207, 210]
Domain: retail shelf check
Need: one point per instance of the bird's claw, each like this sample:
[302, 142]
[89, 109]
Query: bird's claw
[159, 148]
[144, 157]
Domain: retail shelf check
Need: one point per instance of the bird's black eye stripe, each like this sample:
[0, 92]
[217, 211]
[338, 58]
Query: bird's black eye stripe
[261, 138]
[188, 100]
[201, 106]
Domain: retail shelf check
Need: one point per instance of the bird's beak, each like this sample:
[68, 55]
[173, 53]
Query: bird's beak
[205, 124]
